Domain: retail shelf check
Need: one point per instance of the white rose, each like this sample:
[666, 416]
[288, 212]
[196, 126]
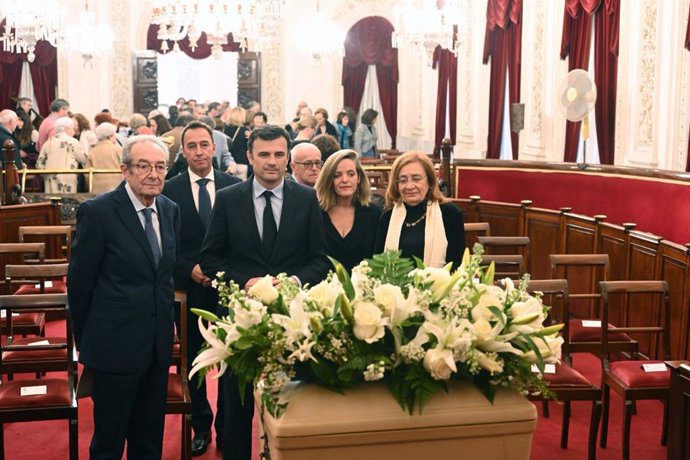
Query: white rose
[264, 290]
[528, 316]
[439, 362]
[325, 295]
[388, 297]
[369, 322]
[247, 318]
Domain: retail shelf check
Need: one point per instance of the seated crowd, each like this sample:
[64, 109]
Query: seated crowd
[250, 199]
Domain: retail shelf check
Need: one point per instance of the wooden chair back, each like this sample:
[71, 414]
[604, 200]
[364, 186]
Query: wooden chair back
[506, 266]
[473, 230]
[59, 402]
[58, 239]
[583, 272]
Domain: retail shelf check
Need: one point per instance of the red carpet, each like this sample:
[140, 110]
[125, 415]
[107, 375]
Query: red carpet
[48, 440]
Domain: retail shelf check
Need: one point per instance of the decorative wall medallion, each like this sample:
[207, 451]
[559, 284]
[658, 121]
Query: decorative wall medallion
[244, 71]
[150, 70]
[151, 99]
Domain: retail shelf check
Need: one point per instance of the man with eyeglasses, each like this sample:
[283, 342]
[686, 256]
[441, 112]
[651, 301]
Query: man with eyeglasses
[265, 225]
[121, 295]
[306, 163]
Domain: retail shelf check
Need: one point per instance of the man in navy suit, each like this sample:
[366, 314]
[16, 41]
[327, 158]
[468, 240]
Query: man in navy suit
[121, 295]
[194, 191]
[263, 226]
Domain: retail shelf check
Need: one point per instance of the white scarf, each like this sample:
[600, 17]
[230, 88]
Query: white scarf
[435, 241]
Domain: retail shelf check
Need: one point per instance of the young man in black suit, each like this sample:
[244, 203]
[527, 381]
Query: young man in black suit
[120, 288]
[263, 226]
[194, 191]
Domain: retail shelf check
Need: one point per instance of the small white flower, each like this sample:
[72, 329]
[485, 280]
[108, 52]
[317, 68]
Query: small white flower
[220, 274]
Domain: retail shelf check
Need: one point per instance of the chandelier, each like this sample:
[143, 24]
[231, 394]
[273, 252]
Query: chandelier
[28, 22]
[252, 22]
[331, 36]
[423, 28]
[88, 38]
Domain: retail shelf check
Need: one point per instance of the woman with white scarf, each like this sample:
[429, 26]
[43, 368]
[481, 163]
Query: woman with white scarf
[419, 221]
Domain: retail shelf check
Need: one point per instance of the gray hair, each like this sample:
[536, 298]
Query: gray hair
[142, 138]
[59, 104]
[104, 131]
[137, 121]
[62, 123]
[208, 121]
[7, 116]
[303, 147]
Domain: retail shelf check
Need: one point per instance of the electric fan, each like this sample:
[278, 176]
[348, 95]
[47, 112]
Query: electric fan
[578, 95]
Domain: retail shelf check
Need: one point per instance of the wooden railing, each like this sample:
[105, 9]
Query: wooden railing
[634, 255]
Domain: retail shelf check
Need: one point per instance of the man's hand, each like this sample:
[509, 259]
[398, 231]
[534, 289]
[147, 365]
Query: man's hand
[253, 281]
[232, 169]
[199, 277]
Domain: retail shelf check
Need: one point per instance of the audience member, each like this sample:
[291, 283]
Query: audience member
[365, 136]
[306, 163]
[305, 128]
[9, 121]
[260, 119]
[237, 132]
[61, 151]
[159, 125]
[323, 126]
[83, 132]
[58, 108]
[344, 132]
[176, 135]
[349, 219]
[326, 144]
[106, 154]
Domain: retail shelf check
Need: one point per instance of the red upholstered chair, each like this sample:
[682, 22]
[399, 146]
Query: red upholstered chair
[46, 360]
[58, 239]
[584, 272]
[59, 400]
[646, 303]
[30, 323]
[179, 401]
[566, 383]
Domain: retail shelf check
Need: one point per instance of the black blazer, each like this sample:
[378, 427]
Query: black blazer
[121, 304]
[192, 232]
[233, 245]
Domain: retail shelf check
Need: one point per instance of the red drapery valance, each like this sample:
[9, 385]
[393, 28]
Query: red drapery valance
[368, 42]
[503, 44]
[43, 73]
[202, 51]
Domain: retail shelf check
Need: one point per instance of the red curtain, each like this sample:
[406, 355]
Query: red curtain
[202, 50]
[447, 64]
[369, 42]
[43, 73]
[577, 29]
[503, 44]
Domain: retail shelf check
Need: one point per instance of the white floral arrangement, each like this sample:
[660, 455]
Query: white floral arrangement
[412, 328]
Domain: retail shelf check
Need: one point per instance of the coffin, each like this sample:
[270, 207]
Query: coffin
[367, 423]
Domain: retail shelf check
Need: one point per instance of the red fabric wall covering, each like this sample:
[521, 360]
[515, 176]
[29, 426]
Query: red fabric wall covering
[656, 207]
[687, 47]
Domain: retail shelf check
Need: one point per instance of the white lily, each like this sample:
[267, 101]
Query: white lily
[217, 352]
[297, 324]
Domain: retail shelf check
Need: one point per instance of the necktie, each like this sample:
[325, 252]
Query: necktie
[270, 227]
[151, 236]
[204, 202]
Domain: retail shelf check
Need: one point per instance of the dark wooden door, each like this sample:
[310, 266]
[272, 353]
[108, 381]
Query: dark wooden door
[145, 81]
[248, 78]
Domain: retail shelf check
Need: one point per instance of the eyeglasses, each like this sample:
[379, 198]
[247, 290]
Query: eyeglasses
[310, 164]
[145, 168]
[416, 179]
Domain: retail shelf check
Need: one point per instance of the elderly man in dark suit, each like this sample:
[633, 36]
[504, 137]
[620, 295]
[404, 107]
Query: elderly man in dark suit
[121, 295]
[194, 191]
[263, 226]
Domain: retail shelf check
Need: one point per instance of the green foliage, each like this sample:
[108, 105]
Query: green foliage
[390, 267]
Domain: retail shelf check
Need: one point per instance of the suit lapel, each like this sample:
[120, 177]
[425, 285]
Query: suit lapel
[125, 209]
